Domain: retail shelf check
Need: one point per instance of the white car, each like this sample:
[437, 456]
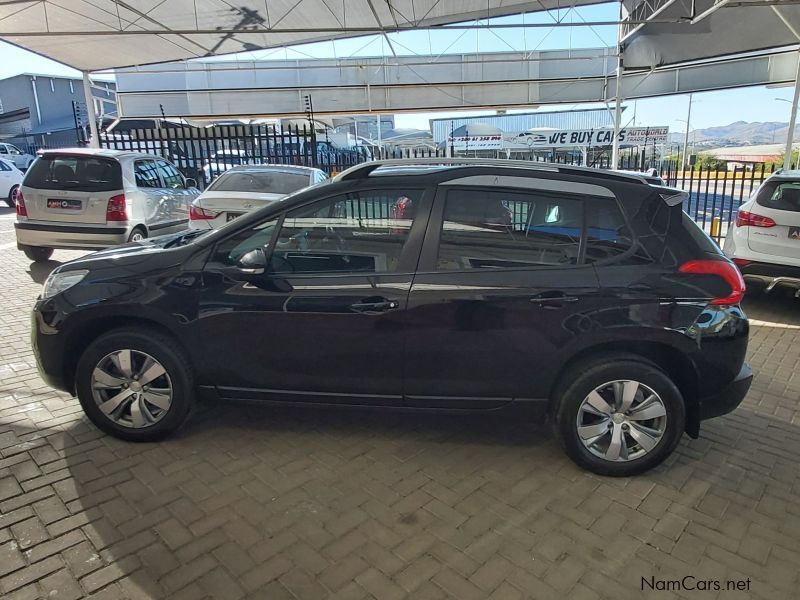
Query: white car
[13, 154]
[10, 180]
[248, 187]
[221, 161]
[764, 241]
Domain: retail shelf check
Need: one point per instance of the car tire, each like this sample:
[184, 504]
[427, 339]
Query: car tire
[37, 253]
[138, 234]
[12, 196]
[611, 440]
[142, 415]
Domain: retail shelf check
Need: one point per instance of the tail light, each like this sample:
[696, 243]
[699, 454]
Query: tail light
[117, 210]
[22, 211]
[196, 213]
[721, 268]
[745, 219]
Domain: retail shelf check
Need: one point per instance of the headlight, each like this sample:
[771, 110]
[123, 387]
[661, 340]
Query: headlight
[61, 281]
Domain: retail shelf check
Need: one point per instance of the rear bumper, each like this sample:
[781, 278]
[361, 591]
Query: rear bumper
[88, 237]
[728, 398]
[771, 275]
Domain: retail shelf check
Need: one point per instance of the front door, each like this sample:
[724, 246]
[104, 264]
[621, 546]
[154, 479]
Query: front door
[499, 292]
[325, 323]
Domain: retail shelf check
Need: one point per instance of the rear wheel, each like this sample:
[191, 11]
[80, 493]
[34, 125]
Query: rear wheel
[620, 415]
[135, 384]
[37, 253]
[12, 196]
[137, 235]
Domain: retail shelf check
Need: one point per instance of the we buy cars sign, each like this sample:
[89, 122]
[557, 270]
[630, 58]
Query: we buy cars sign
[584, 137]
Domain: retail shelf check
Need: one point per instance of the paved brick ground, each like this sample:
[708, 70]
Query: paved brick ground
[272, 504]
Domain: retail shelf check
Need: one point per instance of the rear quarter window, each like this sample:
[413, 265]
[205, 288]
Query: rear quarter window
[78, 173]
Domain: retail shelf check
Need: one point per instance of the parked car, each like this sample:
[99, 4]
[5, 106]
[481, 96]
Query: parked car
[221, 161]
[764, 241]
[96, 198]
[245, 188]
[20, 159]
[531, 138]
[10, 180]
[446, 284]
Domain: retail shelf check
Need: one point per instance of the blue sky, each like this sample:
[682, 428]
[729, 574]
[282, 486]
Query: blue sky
[709, 108]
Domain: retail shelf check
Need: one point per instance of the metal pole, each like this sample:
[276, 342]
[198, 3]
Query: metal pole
[787, 157]
[686, 137]
[617, 115]
[94, 142]
[380, 139]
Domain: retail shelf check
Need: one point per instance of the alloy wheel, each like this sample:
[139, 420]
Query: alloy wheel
[621, 420]
[131, 388]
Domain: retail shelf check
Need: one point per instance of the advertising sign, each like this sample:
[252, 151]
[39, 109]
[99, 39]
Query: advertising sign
[559, 138]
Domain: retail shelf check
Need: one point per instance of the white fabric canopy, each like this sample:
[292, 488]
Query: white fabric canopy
[102, 34]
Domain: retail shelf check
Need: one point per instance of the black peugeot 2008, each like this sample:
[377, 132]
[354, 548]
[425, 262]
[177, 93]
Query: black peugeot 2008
[530, 289]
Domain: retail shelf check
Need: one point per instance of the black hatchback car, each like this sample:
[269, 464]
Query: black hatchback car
[454, 285]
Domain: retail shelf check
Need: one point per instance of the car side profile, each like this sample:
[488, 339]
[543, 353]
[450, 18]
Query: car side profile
[95, 198]
[10, 180]
[764, 240]
[528, 289]
[13, 154]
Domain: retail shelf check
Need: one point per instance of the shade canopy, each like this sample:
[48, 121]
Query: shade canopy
[102, 34]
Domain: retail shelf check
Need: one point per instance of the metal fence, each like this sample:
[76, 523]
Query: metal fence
[203, 153]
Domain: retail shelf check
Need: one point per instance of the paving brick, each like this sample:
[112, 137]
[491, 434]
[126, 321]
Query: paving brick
[24, 576]
[61, 585]
[11, 558]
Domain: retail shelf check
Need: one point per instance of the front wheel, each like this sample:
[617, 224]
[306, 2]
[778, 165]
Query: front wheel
[37, 253]
[619, 416]
[135, 384]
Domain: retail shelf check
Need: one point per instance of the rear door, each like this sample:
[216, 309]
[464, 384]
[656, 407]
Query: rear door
[500, 290]
[155, 208]
[71, 188]
[780, 201]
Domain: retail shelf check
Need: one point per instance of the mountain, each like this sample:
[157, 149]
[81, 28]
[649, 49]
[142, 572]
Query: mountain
[740, 133]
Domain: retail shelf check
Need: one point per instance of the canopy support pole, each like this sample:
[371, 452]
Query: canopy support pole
[94, 141]
[617, 110]
[787, 155]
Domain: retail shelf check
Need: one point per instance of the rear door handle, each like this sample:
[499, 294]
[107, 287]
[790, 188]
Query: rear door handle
[553, 299]
[374, 305]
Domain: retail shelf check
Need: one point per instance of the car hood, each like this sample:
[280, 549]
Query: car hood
[159, 252]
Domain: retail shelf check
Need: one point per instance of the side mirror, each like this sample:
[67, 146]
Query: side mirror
[253, 262]
[191, 183]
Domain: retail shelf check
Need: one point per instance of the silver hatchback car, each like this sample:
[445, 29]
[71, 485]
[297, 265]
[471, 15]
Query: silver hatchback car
[90, 199]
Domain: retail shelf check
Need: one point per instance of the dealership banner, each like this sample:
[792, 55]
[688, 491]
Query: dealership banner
[559, 138]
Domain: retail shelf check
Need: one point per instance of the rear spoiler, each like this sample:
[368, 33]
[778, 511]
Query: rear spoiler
[671, 196]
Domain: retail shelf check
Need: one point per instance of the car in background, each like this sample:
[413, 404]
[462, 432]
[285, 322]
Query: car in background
[531, 139]
[95, 198]
[20, 159]
[764, 240]
[242, 189]
[10, 180]
[221, 161]
[435, 284]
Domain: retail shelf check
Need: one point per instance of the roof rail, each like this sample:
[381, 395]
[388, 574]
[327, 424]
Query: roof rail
[364, 170]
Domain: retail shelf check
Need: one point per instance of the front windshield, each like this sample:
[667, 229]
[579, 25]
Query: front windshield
[268, 182]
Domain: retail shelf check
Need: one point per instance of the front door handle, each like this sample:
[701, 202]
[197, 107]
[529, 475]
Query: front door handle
[374, 305]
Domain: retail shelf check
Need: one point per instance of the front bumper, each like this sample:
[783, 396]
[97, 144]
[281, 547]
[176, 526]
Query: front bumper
[80, 237]
[48, 350]
[771, 275]
[728, 398]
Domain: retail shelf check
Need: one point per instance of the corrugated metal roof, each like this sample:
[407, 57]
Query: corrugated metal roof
[567, 119]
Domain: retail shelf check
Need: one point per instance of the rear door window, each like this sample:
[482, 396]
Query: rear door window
[503, 229]
[146, 174]
[79, 173]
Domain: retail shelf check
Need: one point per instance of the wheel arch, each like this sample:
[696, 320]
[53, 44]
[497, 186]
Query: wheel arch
[671, 360]
[88, 333]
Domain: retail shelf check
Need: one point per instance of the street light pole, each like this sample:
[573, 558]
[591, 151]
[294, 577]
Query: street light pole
[686, 137]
